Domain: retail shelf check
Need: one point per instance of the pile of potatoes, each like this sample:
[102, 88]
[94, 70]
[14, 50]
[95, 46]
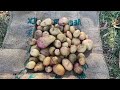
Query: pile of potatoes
[58, 47]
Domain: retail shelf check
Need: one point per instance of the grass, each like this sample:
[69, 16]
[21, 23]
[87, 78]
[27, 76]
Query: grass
[111, 41]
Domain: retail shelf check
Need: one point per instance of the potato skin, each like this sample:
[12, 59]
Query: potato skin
[57, 43]
[82, 61]
[81, 48]
[88, 43]
[73, 49]
[65, 51]
[69, 42]
[32, 41]
[48, 69]
[72, 58]
[41, 57]
[38, 33]
[30, 65]
[69, 35]
[76, 33]
[77, 68]
[67, 64]
[57, 52]
[45, 33]
[59, 69]
[51, 50]
[45, 51]
[66, 28]
[34, 53]
[82, 36]
[54, 60]
[75, 41]
[36, 60]
[39, 67]
[81, 55]
[46, 61]
[61, 37]
[63, 21]
[65, 44]
[72, 29]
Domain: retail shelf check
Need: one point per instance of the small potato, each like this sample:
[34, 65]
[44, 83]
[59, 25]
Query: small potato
[76, 33]
[57, 52]
[72, 29]
[38, 22]
[69, 35]
[55, 31]
[32, 41]
[35, 47]
[39, 28]
[67, 64]
[48, 69]
[72, 58]
[75, 41]
[81, 55]
[46, 61]
[59, 69]
[63, 21]
[81, 48]
[39, 67]
[54, 60]
[69, 41]
[66, 28]
[46, 22]
[73, 49]
[45, 52]
[34, 53]
[61, 37]
[88, 43]
[34, 59]
[38, 34]
[82, 61]
[65, 44]
[46, 28]
[30, 65]
[65, 51]
[78, 68]
[45, 33]
[57, 43]
[51, 50]
[82, 36]
[41, 57]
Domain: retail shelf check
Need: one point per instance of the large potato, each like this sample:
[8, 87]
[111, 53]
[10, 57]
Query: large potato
[61, 37]
[63, 21]
[48, 69]
[73, 49]
[66, 28]
[65, 44]
[76, 33]
[45, 51]
[72, 58]
[69, 41]
[57, 52]
[88, 43]
[39, 67]
[72, 29]
[81, 48]
[59, 69]
[34, 53]
[54, 60]
[67, 64]
[57, 43]
[41, 57]
[32, 41]
[65, 51]
[82, 61]
[46, 61]
[82, 36]
[51, 50]
[38, 33]
[75, 41]
[30, 65]
[69, 35]
[78, 68]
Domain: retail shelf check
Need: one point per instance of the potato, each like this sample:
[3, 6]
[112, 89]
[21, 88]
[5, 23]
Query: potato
[73, 49]
[66, 28]
[35, 47]
[46, 22]
[46, 61]
[45, 51]
[69, 35]
[75, 41]
[38, 22]
[65, 44]
[34, 53]
[45, 33]
[48, 69]
[60, 58]
[65, 51]
[61, 37]
[45, 41]
[76, 33]
[78, 68]
[39, 67]
[81, 55]
[54, 60]
[41, 57]
[67, 64]
[55, 31]
[82, 61]
[63, 21]
[57, 43]
[30, 65]
[72, 29]
[46, 28]
[38, 33]
[88, 43]
[57, 52]
[72, 58]
[81, 48]
[34, 59]
[59, 69]
[82, 36]
[69, 42]
[32, 41]
[39, 28]
[51, 50]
